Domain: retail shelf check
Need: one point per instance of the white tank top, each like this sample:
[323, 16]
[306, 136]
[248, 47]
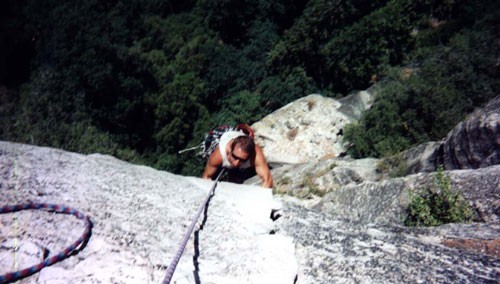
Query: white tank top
[224, 139]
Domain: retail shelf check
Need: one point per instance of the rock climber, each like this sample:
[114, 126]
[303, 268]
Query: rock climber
[238, 153]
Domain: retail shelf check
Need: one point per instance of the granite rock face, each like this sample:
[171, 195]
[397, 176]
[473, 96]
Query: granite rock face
[385, 202]
[139, 217]
[349, 229]
[424, 158]
[346, 215]
[308, 180]
[335, 250]
[355, 190]
[310, 128]
[345, 228]
[473, 143]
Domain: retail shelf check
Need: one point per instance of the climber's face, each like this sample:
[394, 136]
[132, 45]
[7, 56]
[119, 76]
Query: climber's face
[237, 156]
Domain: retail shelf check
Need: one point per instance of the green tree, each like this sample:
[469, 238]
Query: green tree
[425, 102]
[244, 107]
[144, 79]
[277, 91]
[320, 22]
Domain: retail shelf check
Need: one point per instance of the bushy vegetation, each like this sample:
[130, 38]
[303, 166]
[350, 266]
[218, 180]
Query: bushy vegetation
[437, 87]
[143, 79]
[438, 205]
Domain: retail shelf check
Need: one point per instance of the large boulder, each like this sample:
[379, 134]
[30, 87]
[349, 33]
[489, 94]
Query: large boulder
[310, 128]
[139, 217]
[473, 143]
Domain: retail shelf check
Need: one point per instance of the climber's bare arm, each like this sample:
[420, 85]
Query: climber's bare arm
[262, 169]
[213, 164]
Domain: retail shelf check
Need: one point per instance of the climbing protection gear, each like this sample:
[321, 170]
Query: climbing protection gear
[212, 138]
[182, 246]
[13, 276]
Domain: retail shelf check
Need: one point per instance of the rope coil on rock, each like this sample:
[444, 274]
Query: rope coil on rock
[185, 239]
[13, 276]
[16, 275]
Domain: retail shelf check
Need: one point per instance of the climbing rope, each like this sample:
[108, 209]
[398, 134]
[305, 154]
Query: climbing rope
[13, 276]
[16, 275]
[182, 246]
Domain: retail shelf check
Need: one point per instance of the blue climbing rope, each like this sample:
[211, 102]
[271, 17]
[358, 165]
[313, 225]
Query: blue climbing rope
[16, 275]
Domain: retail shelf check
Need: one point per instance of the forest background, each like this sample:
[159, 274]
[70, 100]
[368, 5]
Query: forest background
[140, 80]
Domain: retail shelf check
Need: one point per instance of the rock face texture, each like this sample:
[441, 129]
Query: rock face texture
[385, 202]
[139, 217]
[347, 224]
[473, 143]
[307, 180]
[309, 129]
[424, 158]
[341, 219]
[334, 250]
[348, 229]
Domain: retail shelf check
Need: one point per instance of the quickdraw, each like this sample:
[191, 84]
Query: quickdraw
[13, 276]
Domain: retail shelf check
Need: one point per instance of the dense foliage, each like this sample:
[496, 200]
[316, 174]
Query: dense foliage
[143, 79]
[438, 85]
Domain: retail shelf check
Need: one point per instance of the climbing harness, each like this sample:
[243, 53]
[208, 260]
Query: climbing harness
[182, 246]
[13, 276]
